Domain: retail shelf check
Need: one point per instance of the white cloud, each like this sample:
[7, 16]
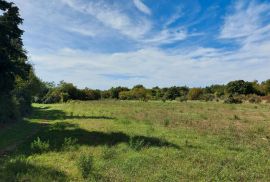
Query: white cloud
[245, 20]
[112, 17]
[142, 7]
[192, 66]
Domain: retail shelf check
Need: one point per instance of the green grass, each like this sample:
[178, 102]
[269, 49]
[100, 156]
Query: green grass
[139, 141]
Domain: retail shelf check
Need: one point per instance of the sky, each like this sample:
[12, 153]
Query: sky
[104, 43]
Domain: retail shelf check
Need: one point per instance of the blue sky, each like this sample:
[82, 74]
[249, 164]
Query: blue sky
[105, 43]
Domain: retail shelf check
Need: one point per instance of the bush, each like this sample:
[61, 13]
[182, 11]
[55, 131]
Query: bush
[182, 99]
[233, 100]
[208, 97]
[39, 146]
[195, 94]
[85, 165]
[255, 99]
[70, 143]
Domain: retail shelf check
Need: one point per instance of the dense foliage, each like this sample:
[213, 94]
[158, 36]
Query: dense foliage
[233, 92]
[18, 82]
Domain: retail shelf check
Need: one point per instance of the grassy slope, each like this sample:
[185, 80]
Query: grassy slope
[181, 141]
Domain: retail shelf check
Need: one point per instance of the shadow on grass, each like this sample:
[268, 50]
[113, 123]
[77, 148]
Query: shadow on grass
[50, 114]
[19, 169]
[58, 132]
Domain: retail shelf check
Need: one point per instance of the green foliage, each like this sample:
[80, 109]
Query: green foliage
[64, 92]
[195, 94]
[136, 144]
[70, 143]
[240, 87]
[39, 146]
[85, 165]
[17, 80]
[108, 153]
[266, 87]
[137, 93]
[166, 122]
[182, 99]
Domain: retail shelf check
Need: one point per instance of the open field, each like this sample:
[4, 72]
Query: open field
[139, 141]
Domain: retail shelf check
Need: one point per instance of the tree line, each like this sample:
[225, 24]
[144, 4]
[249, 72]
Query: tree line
[233, 92]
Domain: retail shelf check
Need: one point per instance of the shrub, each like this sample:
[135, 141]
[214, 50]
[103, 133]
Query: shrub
[70, 143]
[182, 99]
[85, 165]
[166, 122]
[208, 97]
[255, 99]
[39, 146]
[195, 94]
[233, 100]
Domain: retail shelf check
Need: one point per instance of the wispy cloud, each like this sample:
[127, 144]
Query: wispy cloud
[142, 7]
[111, 16]
[247, 18]
[167, 36]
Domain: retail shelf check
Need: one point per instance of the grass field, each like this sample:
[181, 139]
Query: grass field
[138, 141]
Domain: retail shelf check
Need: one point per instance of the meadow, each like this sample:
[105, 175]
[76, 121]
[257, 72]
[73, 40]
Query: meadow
[138, 141]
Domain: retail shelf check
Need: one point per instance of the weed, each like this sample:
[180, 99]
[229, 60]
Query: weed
[136, 144]
[39, 146]
[70, 143]
[166, 122]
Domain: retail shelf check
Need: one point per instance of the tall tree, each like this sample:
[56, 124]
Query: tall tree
[13, 59]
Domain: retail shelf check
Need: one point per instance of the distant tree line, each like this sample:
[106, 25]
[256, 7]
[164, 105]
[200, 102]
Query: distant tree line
[233, 92]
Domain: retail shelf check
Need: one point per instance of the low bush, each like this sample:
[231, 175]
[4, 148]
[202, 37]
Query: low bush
[182, 99]
[233, 100]
[70, 143]
[254, 99]
[208, 97]
[39, 146]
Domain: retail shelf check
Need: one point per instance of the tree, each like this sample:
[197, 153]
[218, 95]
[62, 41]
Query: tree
[13, 62]
[114, 92]
[195, 94]
[240, 87]
[172, 93]
[266, 86]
